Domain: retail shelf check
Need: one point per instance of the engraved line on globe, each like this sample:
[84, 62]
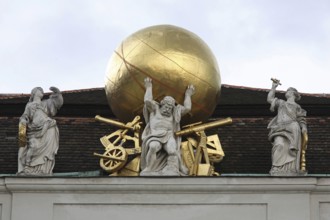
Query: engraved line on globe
[126, 65]
[129, 52]
[126, 92]
[201, 107]
[196, 76]
[132, 74]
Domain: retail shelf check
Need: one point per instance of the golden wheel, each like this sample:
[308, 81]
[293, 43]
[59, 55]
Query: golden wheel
[113, 159]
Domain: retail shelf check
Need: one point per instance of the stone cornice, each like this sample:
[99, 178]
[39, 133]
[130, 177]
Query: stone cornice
[169, 185]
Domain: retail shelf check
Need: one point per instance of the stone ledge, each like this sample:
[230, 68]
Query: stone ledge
[165, 184]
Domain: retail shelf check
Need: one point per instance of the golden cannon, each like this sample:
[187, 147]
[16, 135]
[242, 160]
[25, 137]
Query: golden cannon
[118, 146]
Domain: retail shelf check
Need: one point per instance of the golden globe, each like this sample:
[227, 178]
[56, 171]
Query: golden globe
[173, 58]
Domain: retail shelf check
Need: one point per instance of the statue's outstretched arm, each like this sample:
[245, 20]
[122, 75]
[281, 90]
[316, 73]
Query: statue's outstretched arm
[55, 101]
[271, 94]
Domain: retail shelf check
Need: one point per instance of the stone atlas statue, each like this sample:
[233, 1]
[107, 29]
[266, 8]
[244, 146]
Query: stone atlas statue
[38, 133]
[150, 72]
[288, 133]
[161, 153]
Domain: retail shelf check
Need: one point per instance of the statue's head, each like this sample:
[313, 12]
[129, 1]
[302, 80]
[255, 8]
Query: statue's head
[37, 91]
[167, 105]
[292, 92]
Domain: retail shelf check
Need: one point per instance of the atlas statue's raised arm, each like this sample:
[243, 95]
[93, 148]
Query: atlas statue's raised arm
[148, 86]
[148, 98]
[187, 99]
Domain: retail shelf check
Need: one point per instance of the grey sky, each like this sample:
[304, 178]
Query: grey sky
[67, 43]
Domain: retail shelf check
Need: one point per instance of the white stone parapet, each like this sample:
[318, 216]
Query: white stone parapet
[225, 198]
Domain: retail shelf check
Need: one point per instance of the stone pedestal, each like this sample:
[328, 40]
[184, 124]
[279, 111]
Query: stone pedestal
[225, 198]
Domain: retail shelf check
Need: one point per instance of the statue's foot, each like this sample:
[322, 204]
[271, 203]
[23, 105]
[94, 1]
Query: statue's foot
[148, 172]
[172, 167]
[170, 172]
[151, 173]
[184, 170]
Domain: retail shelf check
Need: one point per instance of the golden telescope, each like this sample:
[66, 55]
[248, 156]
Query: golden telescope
[202, 127]
[113, 122]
